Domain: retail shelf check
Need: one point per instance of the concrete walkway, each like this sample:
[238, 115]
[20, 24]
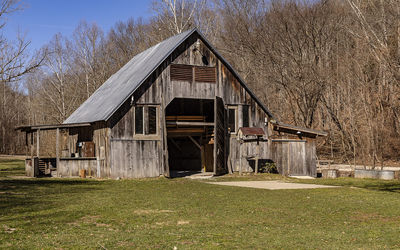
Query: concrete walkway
[271, 185]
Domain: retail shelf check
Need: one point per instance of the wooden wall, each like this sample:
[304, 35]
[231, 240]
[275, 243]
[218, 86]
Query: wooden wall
[127, 158]
[121, 154]
[135, 158]
[101, 139]
[99, 133]
[294, 157]
[71, 167]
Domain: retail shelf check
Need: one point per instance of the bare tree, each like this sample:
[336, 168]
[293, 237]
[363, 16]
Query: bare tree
[87, 46]
[54, 80]
[15, 62]
[177, 15]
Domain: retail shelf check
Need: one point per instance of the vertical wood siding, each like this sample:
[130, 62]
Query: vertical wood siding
[127, 157]
[120, 154]
[294, 157]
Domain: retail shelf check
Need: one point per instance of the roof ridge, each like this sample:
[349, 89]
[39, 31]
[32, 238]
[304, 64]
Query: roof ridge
[122, 85]
[81, 114]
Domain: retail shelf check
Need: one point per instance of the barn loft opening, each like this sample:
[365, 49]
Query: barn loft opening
[190, 126]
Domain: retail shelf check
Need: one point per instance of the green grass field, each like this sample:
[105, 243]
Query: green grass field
[163, 213]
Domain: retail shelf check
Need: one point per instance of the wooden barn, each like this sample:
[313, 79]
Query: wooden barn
[176, 107]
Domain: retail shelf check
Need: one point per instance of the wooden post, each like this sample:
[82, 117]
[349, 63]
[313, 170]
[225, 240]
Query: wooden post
[240, 158]
[195, 142]
[257, 155]
[26, 145]
[37, 143]
[165, 139]
[57, 148]
[32, 147]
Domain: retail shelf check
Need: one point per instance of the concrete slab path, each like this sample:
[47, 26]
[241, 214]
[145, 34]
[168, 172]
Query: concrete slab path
[271, 185]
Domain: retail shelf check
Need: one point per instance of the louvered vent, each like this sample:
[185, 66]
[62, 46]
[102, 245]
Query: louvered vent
[205, 74]
[181, 72]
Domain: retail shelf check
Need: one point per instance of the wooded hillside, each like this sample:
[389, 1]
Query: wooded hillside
[332, 65]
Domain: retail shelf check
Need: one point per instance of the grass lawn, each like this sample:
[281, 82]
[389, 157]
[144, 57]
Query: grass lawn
[163, 213]
[11, 167]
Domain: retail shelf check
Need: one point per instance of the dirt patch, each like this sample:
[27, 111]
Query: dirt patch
[151, 211]
[182, 222]
[366, 217]
[90, 219]
[8, 229]
[12, 193]
[271, 185]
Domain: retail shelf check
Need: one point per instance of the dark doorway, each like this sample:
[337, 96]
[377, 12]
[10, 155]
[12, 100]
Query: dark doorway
[190, 126]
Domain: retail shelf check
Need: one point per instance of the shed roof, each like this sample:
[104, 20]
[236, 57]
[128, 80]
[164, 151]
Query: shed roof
[107, 99]
[298, 130]
[252, 131]
[30, 128]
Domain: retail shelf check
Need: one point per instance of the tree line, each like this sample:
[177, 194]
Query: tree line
[332, 65]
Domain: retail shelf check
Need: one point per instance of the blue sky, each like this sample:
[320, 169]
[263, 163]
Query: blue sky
[41, 19]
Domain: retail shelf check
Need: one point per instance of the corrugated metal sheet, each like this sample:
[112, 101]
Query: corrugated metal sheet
[120, 86]
[252, 131]
[279, 126]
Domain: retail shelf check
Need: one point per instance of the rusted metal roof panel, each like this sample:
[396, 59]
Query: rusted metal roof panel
[298, 130]
[252, 131]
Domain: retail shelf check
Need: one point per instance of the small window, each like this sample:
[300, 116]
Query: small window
[245, 115]
[139, 120]
[146, 121]
[232, 118]
[152, 118]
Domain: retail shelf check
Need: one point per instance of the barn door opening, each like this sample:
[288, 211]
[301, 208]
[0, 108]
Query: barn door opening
[190, 125]
[219, 137]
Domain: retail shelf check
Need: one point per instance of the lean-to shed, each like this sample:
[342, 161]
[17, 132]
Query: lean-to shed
[175, 107]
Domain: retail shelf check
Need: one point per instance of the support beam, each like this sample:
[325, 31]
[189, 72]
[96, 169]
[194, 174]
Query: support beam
[175, 144]
[38, 143]
[199, 124]
[195, 142]
[57, 148]
[32, 146]
[240, 158]
[165, 140]
[257, 156]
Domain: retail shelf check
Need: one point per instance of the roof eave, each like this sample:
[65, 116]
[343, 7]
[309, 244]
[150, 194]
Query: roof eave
[28, 128]
[151, 72]
[230, 67]
[300, 129]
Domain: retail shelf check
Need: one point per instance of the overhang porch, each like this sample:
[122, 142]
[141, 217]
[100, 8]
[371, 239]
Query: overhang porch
[59, 161]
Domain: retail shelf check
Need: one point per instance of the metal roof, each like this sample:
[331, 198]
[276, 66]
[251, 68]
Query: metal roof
[106, 100]
[28, 128]
[252, 131]
[287, 127]
[120, 86]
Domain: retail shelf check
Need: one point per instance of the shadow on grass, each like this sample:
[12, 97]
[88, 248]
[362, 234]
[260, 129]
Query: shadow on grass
[12, 168]
[383, 186]
[370, 184]
[40, 194]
